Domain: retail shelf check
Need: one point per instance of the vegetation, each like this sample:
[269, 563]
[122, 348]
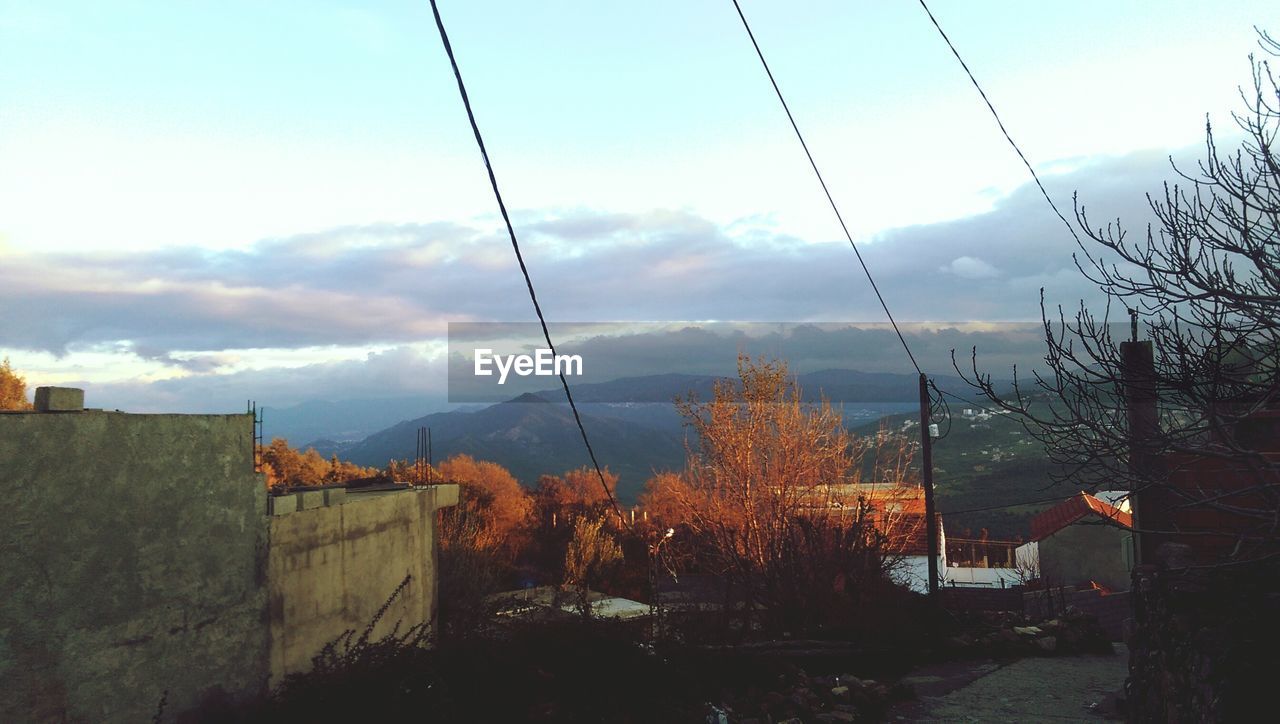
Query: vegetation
[286, 467]
[983, 469]
[768, 504]
[1202, 287]
[592, 555]
[13, 388]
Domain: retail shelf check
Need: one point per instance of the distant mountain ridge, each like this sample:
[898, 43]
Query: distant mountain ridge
[633, 427]
[836, 385]
[344, 420]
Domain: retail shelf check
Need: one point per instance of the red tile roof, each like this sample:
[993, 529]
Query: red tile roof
[1073, 509]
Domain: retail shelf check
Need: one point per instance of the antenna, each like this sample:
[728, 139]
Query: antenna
[252, 409]
[418, 453]
[422, 457]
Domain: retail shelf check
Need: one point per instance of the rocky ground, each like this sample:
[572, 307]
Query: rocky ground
[1079, 688]
[1058, 670]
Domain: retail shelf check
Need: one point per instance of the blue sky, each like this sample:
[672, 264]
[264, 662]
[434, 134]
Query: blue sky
[228, 196]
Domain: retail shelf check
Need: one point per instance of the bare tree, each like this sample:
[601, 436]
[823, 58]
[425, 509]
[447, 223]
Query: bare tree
[1188, 422]
[771, 500]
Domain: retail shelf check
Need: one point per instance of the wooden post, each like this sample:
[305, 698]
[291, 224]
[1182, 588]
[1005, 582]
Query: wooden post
[926, 469]
[1145, 499]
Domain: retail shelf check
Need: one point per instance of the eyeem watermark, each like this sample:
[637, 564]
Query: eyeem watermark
[542, 363]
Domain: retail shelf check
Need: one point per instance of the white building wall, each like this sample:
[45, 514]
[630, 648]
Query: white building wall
[982, 577]
[913, 572]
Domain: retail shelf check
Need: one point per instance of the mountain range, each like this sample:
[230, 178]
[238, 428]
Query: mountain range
[634, 428]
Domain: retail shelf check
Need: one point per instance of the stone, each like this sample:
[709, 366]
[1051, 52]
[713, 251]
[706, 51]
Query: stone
[284, 504]
[1048, 644]
[840, 691]
[1027, 630]
[1007, 636]
[311, 499]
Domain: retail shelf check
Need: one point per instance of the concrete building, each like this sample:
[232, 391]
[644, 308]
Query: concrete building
[141, 560]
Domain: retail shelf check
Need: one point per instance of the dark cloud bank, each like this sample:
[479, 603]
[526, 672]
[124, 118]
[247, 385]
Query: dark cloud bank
[397, 284]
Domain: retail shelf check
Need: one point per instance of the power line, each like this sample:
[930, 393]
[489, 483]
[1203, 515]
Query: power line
[823, 183]
[964, 399]
[939, 409]
[1002, 507]
[1000, 123]
[515, 245]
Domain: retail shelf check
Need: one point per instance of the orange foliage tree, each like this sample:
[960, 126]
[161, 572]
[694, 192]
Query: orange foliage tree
[13, 389]
[493, 511]
[480, 539]
[771, 499]
[576, 492]
[288, 467]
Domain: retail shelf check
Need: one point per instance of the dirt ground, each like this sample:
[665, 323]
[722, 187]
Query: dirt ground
[1062, 689]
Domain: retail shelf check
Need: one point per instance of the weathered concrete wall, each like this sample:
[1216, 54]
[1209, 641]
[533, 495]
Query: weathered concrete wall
[332, 568]
[132, 562]
[1083, 552]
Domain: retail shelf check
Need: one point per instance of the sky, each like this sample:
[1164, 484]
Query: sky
[205, 202]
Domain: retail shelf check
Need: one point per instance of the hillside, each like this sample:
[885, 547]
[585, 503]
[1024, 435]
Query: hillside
[530, 436]
[983, 462]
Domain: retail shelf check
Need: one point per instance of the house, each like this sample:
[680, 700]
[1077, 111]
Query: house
[983, 563]
[1081, 541]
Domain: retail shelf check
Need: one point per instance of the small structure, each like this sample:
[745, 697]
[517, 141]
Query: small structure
[982, 563]
[1083, 541]
[555, 603]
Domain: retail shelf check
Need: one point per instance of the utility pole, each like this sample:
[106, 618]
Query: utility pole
[926, 468]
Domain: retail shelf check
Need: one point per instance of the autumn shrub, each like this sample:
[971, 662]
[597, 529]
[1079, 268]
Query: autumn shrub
[772, 504]
[575, 671]
[592, 557]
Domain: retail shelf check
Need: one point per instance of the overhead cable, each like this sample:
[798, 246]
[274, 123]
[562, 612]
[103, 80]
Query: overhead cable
[515, 246]
[825, 190]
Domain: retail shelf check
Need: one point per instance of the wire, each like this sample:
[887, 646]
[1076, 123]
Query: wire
[1000, 123]
[823, 183]
[964, 399]
[939, 410]
[1002, 507]
[515, 245]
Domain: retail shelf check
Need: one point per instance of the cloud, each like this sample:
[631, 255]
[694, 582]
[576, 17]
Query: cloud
[393, 285]
[389, 373]
[968, 267]
[614, 350]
